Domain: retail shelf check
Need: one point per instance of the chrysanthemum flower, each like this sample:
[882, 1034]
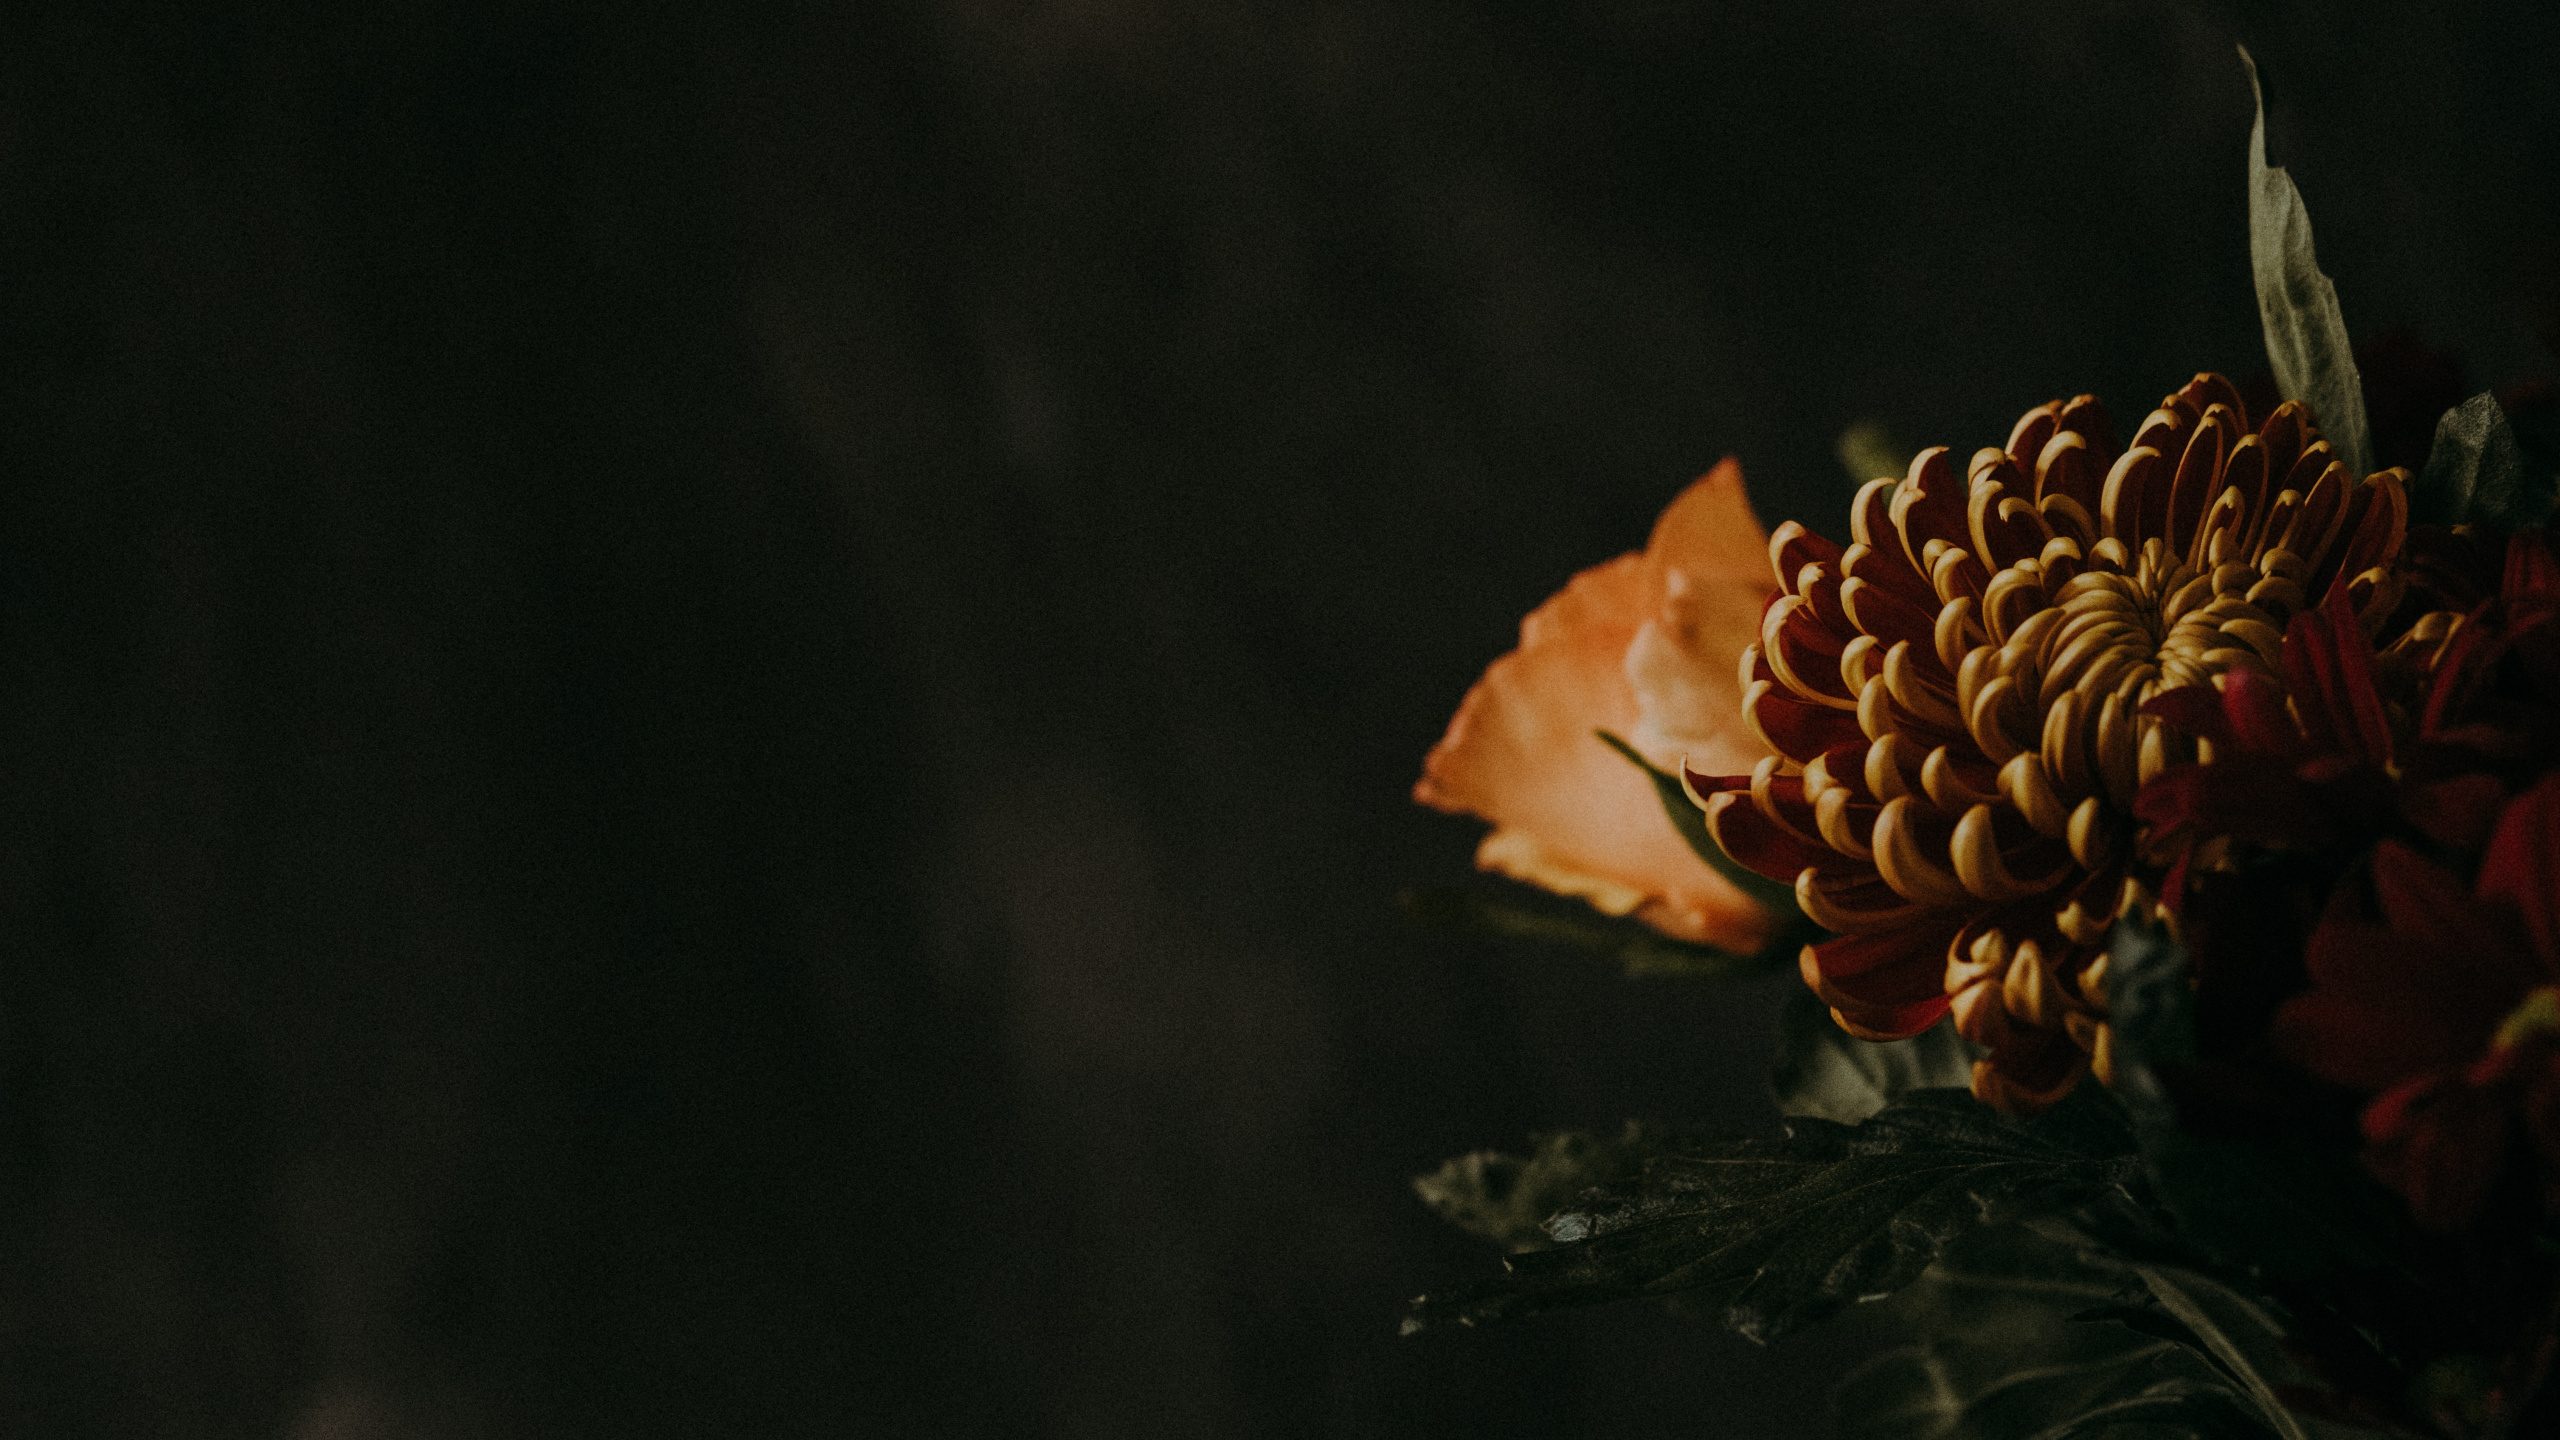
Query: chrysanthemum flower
[1956, 702]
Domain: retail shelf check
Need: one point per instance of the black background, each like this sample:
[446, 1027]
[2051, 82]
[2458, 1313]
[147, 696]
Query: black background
[708, 714]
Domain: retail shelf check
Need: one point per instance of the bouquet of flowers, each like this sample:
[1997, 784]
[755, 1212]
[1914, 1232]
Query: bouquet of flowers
[2167, 831]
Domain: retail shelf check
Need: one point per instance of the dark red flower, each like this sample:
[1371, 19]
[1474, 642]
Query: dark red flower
[2423, 739]
[2444, 997]
[2293, 764]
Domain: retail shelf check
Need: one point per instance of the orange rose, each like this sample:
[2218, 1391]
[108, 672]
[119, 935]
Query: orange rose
[1647, 647]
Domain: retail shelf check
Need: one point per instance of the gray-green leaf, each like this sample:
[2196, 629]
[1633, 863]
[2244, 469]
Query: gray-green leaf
[1824, 1071]
[2306, 336]
[2476, 472]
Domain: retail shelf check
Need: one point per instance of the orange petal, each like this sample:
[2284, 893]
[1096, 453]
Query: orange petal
[1709, 578]
[1709, 532]
[1570, 814]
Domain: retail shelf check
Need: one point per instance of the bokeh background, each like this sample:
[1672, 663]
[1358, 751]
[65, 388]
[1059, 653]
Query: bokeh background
[707, 712]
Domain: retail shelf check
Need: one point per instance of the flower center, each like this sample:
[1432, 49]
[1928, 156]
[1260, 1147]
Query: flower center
[2539, 1015]
[2160, 623]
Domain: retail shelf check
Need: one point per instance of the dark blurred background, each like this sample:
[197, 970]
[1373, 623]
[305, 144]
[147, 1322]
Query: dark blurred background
[708, 714]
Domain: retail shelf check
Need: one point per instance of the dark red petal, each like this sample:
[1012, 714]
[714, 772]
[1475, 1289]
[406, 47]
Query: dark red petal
[2369, 1046]
[1851, 956]
[2284, 436]
[2237, 797]
[2173, 800]
[2028, 437]
[1792, 547]
[2379, 524]
[2195, 709]
[1890, 983]
[1760, 845]
[1799, 729]
[2467, 953]
[2088, 419]
[2461, 666]
[2350, 670]
[1930, 505]
[2259, 720]
[2441, 1144]
[2522, 866]
[2458, 813]
[2209, 389]
[2303, 639]
[2532, 576]
[2328, 665]
[2037, 1061]
[2390, 1002]
[1890, 618]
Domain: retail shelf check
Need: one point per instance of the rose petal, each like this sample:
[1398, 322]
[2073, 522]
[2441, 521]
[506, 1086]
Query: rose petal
[1572, 815]
[1709, 577]
[1709, 533]
[1682, 668]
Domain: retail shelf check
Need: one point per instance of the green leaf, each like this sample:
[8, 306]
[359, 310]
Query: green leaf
[1826, 1072]
[1691, 822]
[2244, 1335]
[2476, 472]
[1507, 1198]
[2037, 1330]
[1640, 950]
[2023, 1333]
[1789, 1231]
[2306, 336]
[2176, 1410]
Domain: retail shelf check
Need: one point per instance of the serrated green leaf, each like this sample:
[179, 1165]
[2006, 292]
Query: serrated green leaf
[1691, 822]
[1641, 951]
[2476, 472]
[2306, 335]
[1507, 1198]
[1792, 1230]
[1826, 1072]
